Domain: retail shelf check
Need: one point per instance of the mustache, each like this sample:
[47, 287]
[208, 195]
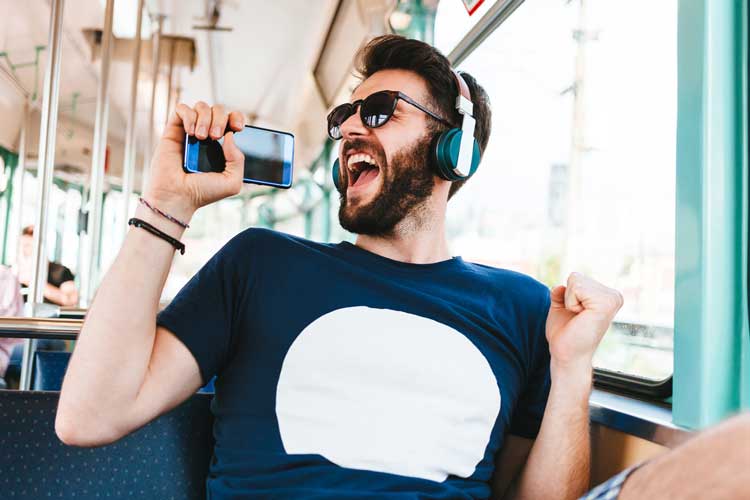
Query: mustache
[364, 146]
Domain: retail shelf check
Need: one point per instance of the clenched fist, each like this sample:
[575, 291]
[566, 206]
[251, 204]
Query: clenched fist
[579, 315]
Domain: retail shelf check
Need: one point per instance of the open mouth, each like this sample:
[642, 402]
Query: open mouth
[362, 168]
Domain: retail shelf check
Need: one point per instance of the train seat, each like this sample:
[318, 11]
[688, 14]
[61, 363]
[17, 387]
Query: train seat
[50, 366]
[16, 355]
[167, 458]
[49, 370]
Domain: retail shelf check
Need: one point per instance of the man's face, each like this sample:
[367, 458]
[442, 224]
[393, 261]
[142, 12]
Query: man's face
[385, 172]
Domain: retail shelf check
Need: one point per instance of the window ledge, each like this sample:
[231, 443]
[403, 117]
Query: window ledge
[643, 419]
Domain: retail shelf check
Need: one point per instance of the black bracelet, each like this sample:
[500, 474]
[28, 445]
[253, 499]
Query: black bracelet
[151, 229]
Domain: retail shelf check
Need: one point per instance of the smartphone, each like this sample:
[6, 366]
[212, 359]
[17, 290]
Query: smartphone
[269, 156]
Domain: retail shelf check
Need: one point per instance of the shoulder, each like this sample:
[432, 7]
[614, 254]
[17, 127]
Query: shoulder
[262, 236]
[257, 243]
[524, 291]
[523, 284]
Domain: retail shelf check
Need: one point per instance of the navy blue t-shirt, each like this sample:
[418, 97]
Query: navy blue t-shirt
[342, 374]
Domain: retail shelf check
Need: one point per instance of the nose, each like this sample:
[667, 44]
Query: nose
[353, 126]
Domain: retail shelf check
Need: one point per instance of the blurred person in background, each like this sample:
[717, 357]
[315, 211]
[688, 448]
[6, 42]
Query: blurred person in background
[60, 288]
[11, 304]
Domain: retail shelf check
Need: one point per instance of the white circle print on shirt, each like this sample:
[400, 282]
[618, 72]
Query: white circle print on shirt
[387, 391]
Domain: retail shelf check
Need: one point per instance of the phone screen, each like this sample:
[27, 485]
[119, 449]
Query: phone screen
[269, 156]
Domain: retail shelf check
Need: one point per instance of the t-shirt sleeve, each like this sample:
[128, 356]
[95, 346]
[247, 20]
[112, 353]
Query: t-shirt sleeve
[203, 313]
[527, 417]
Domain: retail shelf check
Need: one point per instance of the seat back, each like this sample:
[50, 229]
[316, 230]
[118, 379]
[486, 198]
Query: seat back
[49, 370]
[50, 366]
[167, 458]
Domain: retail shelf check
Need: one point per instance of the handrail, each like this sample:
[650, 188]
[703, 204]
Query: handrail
[495, 16]
[73, 312]
[40, 328]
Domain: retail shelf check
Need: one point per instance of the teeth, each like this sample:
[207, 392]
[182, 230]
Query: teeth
[360, 158]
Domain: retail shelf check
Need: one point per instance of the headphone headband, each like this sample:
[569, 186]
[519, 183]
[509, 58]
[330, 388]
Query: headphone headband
[465, 165]
[463, 99]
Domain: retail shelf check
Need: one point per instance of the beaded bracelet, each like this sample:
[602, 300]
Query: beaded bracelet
[156, 232]
[163, 214]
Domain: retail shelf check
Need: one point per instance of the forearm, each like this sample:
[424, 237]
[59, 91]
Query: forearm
[558, 467]
[114, 347]
[57, 295]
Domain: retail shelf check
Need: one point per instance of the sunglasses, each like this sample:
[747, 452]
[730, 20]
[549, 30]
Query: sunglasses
[375, 110]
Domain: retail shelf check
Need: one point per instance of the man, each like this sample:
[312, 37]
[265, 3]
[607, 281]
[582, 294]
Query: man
[381, 370]
[60, 288]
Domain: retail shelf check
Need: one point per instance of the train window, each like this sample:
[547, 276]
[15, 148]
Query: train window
[452, 22]
[62, 227]
[210, 228]
[579, 174]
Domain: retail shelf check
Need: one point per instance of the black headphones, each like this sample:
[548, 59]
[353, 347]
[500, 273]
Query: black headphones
[456, 151]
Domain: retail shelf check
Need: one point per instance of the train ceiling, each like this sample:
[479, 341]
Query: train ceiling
[259, 57]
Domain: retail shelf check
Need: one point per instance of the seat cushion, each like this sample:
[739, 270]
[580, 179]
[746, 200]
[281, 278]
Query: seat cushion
[167, 458]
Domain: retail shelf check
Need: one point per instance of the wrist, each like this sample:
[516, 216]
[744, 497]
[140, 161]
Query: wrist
[159, 222]
[179, 209]
[573, 376]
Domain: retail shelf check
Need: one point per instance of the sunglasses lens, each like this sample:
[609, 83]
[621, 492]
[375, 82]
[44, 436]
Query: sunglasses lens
[377, 109]
[336, 118]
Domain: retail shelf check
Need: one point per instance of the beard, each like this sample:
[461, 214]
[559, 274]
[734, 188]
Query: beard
[407, 181]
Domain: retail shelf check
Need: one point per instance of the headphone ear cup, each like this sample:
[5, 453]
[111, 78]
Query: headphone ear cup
[335, 173]
[446, 155]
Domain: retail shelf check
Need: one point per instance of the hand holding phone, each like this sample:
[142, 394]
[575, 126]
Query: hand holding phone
[179, 194]
[269, 156]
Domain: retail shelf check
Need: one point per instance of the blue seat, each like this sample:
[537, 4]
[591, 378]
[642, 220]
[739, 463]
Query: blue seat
[50, 366]
[14, 365]
[167, 458]
[49, 370]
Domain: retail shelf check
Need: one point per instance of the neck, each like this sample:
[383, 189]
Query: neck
[418, 239]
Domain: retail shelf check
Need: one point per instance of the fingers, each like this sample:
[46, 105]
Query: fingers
[232, 153]
[236, 121]
[584, 293]
[186, 115]
[203, 123]
[557, 296]
[235, 162]
[218, 122]
[573, 299]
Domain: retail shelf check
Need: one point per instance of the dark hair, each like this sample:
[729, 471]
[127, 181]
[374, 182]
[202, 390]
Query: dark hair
[28, 231]
[397, 52]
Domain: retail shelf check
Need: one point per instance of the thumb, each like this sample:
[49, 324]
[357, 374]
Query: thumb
[557, 296]
[235, 160]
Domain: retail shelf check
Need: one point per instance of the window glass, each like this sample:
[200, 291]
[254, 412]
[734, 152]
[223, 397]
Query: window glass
[210, 228]
[579, 173]
[453, 22]
[70, 240]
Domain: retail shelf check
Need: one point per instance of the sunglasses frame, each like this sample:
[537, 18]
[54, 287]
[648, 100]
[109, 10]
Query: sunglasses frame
[395, 94]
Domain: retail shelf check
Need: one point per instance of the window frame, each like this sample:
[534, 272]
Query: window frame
[712, 346]
[603, 378]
